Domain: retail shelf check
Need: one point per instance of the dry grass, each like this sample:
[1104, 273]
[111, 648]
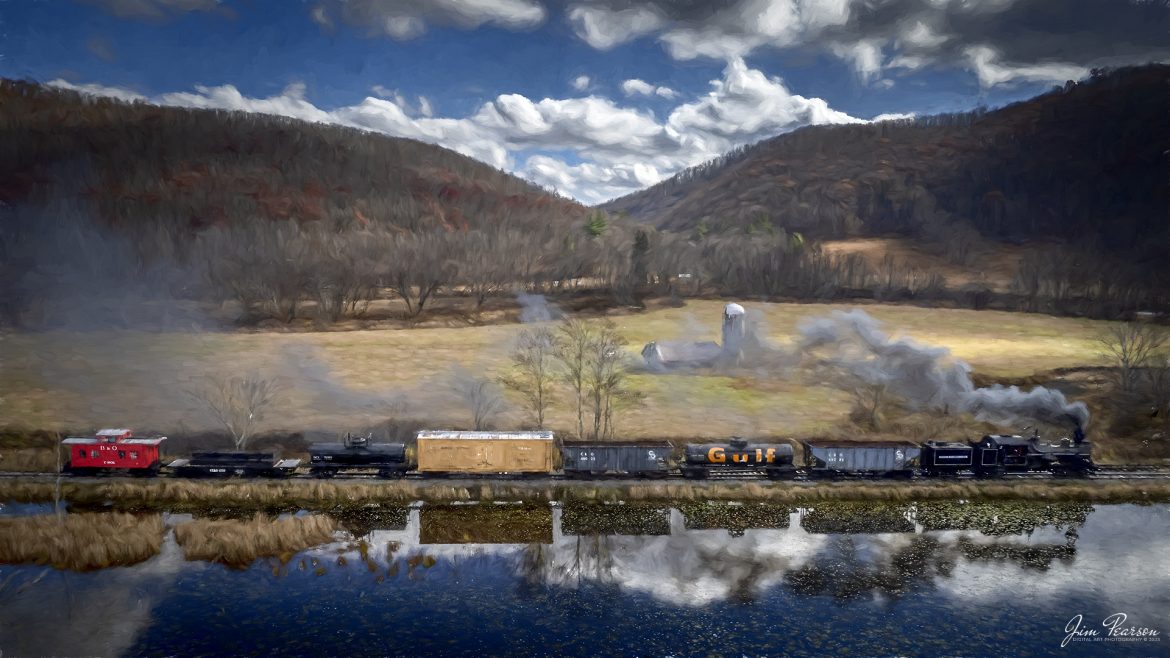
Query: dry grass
[29, 460]
[238, 543]
[993, 267]
[80, 541]
[317, 495]
[56, 379]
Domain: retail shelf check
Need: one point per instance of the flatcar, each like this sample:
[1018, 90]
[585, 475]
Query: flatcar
[113, 451]
[357, 453]
[233, 464]
[737, 457]
[633, 459]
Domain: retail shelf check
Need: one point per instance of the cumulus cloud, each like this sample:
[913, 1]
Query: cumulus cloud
[991, 71]
[581, 82]
[591, 148]
[636, 87]
[999, 41]
[407, 19]
[604, 27]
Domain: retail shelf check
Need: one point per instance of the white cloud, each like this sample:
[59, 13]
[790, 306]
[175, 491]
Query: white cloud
[1042, 39]
[617, 150]
[986, 63]
[407, 19]
[921, 35]
[119, 93]
[636, 87]
[865, 55]
[893, 116]
[581, 82]
[605, 28]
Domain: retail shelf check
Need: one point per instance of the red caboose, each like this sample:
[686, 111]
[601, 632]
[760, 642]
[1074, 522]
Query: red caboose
[114, 450]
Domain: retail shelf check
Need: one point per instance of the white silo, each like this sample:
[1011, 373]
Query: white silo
[734, 331]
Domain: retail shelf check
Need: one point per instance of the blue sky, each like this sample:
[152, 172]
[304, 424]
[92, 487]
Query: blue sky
[593, 98]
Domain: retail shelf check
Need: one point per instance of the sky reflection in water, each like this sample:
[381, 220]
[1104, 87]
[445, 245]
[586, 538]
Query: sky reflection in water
[800, 587]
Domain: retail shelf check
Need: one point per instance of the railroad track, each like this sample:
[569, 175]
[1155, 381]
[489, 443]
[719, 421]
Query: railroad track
[1124, 474]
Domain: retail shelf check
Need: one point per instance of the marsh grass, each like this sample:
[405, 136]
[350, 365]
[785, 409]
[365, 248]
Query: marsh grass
[29, 460]
[287, 495]
[239, 543]
[80, 541]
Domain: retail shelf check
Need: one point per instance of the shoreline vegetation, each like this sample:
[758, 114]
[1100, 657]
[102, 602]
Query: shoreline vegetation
[293, 495]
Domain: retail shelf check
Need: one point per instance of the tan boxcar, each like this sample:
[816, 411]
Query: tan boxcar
[485, 452]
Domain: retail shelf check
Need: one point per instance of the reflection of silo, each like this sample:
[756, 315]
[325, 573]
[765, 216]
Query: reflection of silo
[734, 332]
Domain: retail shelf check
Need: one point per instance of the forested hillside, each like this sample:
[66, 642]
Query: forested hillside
[105, 205]
[1085, 164]
[141, 166]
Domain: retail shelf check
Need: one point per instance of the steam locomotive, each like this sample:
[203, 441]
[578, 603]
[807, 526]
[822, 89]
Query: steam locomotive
[457, 453]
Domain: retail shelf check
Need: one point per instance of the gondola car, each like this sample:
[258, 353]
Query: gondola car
[737, 457]
[356, 453]
[113, 451]
[233, 464]
[635, 459]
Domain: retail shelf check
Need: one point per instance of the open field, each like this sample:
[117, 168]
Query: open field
[336, 381]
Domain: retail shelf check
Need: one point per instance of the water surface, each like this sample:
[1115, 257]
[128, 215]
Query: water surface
[698, 579]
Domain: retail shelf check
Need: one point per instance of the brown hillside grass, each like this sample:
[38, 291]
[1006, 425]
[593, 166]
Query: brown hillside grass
[80, 541]
[992, 267]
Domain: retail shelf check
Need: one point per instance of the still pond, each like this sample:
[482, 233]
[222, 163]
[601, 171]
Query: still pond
[928, 579]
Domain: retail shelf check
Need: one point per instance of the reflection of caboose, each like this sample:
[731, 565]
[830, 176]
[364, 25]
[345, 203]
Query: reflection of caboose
[113, 450]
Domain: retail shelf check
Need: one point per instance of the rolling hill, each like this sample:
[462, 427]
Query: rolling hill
[134, 164]
[1085, 163]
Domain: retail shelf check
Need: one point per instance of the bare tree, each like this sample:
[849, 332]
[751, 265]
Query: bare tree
[238, 403]
[533, 371]
[419, 265]
[574, 342]
[1158, 379]
[1129, 347]
[605, 373]
[481, 395]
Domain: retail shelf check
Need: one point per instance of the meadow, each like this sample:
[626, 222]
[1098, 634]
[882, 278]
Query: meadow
[338, 381]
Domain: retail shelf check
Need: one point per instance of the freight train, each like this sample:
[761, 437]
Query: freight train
[457, 453]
